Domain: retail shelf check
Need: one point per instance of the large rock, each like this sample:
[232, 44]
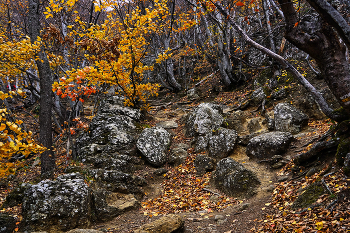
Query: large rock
[110, 142]
[233, 179]
[221, 142]
[205, 118]
[109, 205]
[167, 224]
[203, 164]
[236, 121]
[112, 132]
[267, 145]
[153, 144]
[115, 105]
[289, 119]
[116, 181]
[258, 96]
[62, 204]
[15, 197]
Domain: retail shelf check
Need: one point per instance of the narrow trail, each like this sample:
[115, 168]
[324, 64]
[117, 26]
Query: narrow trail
[237, 218]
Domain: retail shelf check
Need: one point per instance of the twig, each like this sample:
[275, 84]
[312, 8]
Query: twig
[332, 204]
[324, 183]
[310, 207]
[208, 190]
[211, 75]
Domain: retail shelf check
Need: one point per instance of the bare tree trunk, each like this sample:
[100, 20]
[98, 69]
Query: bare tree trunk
[47, 157]
[169, 67]
[268, 26]
[316, 94]
[314, 36]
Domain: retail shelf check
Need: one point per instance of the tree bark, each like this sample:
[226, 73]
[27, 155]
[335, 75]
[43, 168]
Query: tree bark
[47, 157]
[316, 94]
[317, 38]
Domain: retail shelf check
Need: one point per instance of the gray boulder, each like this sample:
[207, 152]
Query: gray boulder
[236, 121]
[221, 142]
[205, 118]
[258, 96]
[203, 164]
[289, 119]
[153, 144]
[115, 105]
[177, 156]
[201, 143]
[167, 224]
[116, 181]
[233, 179]
[267, 145]
[192, 94]
[110, 142]
[62, 204]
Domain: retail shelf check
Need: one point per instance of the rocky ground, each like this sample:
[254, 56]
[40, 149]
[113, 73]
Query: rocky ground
[160, 187]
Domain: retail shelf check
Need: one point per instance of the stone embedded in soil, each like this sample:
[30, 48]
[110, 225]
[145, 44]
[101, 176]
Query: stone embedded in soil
[167, 124]
[167, 224]
[62, 204]
[205, 118]
[221, 142]
[233, 179]
[203, 164]
[308, 196]
[267, 145]
[253, 125]
[153, 143]
[289, 119]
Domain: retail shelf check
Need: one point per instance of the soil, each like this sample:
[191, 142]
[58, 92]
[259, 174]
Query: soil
[243, 217]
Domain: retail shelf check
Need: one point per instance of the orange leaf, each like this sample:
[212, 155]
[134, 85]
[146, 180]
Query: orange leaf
[239, 4]
[296, 24]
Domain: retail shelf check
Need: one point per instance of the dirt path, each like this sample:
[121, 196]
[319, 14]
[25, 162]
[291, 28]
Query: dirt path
[238, 218]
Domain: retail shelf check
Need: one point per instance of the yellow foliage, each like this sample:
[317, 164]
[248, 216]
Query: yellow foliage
[14, 140]
[115, 51]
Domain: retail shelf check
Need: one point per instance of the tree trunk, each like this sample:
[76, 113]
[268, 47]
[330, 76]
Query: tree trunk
[169, 68]
[316, 94]
[317, 38]
[47, 157]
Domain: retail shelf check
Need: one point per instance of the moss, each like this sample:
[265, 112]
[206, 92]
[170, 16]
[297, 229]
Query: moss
[342, 150]
[340, 111]
[309, 196]
[346, 171]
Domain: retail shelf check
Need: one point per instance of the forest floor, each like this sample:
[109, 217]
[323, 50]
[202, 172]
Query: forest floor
[268, 211]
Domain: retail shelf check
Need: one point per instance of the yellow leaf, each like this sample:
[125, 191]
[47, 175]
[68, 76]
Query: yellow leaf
[319, 225]
[2, 127]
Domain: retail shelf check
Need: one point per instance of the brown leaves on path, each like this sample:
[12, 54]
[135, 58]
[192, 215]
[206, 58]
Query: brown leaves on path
[183, 191]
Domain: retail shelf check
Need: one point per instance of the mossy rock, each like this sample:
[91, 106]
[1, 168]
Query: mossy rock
[342, 150]
[16, 196]
[309, 196]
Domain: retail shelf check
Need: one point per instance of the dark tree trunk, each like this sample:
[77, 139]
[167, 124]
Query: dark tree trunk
[47, 157]
[314, 36]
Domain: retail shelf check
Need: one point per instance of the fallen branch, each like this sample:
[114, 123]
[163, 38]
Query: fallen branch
[208, 190]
